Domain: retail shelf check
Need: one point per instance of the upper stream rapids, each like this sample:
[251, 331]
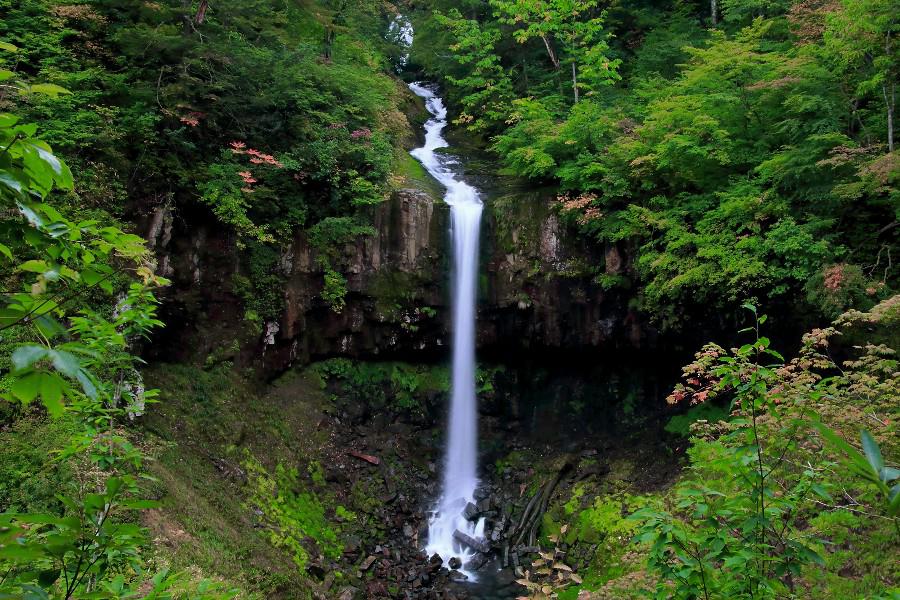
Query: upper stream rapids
[448, 523]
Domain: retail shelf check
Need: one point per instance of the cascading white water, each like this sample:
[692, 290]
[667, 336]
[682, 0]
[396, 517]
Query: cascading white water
[461, 462]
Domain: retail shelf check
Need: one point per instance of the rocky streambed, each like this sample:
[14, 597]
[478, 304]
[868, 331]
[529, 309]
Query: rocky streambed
[395, 455]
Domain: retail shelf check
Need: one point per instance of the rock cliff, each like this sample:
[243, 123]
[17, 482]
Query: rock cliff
[538, 289]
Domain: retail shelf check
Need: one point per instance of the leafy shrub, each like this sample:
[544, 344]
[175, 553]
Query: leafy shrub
[401, 386]
[76, 360]
[738, 525]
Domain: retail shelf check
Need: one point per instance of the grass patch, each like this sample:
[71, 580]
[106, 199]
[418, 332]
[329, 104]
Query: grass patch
[207, 428]
[411, 174]
[30, 478]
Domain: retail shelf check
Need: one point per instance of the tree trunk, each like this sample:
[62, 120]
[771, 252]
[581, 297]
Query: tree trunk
[550, 51]
[890, 101]
[328, 41]
[714, 17]
[186, 25]
[575, 81]
[201, 12]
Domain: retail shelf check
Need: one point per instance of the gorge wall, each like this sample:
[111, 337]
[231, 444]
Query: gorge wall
[537, 288]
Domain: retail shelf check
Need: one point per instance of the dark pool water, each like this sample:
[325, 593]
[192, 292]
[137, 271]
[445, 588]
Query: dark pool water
[493, 584]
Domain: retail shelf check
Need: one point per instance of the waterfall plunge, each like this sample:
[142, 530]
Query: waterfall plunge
[461, 461]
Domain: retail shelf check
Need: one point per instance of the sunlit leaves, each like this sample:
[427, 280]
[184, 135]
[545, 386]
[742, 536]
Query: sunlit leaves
[73, 365]
[40, 372]
[486, 85]
[868, 465]
[28, 165]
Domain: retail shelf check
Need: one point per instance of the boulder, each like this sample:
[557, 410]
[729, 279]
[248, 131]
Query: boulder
[348, 593]
[476, 562]
[474, 544]
[470, 512]
[457, 576]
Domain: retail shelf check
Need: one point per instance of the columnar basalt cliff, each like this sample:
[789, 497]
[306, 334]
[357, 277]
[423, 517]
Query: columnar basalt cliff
[542, 290]
[395, 288]
[539, 290]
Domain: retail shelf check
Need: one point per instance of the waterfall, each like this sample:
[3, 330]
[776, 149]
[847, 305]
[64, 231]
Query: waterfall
[461, 461]
[400, 31]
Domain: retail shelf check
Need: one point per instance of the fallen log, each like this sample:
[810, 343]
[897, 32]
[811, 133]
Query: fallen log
[366, 457]
[537, 506]
[545, 501]
[525, 517]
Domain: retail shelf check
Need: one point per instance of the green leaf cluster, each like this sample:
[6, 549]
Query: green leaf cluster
[738, 525]
[296, 520]
[750, 159]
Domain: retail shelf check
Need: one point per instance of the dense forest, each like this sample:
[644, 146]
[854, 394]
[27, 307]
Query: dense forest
[736, 152]
[227, 328]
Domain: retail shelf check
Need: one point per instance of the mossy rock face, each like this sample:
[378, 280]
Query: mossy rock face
[400, 299]
[543, 283]
[517, 221]
[410, 174]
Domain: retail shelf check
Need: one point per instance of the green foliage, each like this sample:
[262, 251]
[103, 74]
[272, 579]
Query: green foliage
[486, 86]
[328, 237]
[858, 42]
[29, 477]
[272, 135]
[869, 466]
[600, 520]
[77, 358]
[576, 25]
[739, 524]
[244, 110]
[334, 289]
[260, 289]
[732, 160]
[317, 473]
[401, 386]
[734, 536]
[294, 519]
